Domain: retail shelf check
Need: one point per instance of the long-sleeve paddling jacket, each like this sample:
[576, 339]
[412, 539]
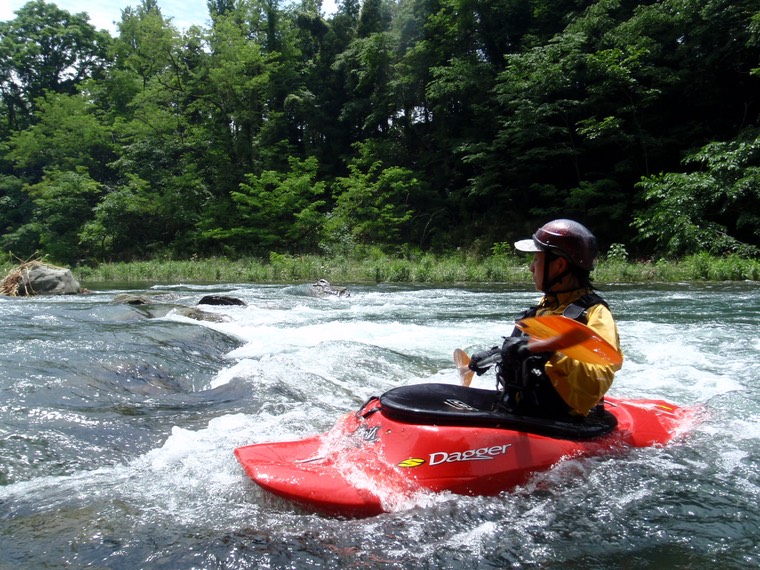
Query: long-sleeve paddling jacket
[581, 385]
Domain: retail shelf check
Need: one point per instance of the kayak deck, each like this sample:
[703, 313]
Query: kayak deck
[447, 404]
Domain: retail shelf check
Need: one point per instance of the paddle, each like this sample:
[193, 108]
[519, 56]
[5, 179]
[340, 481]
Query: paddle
[462, 361]
[553, 333]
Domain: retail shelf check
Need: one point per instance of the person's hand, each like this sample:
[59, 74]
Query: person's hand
[482, 361]
[515, 351]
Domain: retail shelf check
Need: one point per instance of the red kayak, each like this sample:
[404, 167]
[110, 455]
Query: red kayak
[442, 437]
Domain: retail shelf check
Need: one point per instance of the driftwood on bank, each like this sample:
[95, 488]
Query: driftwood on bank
[38, 278]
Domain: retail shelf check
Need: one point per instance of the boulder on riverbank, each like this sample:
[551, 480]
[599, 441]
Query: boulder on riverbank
[37, 278]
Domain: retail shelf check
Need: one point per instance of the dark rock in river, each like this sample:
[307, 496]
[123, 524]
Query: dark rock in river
[220, 300]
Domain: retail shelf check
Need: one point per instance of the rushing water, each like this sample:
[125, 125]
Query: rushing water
[118, 424]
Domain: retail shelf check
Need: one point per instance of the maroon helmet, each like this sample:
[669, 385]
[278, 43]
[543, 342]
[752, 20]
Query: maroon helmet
[565, 238]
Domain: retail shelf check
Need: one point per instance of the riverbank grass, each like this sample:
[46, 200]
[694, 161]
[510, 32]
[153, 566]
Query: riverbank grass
[455, 268]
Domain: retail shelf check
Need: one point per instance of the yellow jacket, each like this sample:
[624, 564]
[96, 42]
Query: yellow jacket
[581, 385]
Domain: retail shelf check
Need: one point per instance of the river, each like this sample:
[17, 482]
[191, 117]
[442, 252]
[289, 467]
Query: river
[118, 424]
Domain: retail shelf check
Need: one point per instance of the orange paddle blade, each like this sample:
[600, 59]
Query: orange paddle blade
[462, 360]
[572, 338]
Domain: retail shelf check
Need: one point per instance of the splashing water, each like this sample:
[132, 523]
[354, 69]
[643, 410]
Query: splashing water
[118, 423]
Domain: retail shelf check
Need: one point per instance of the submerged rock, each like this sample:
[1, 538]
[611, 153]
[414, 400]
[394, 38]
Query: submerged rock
[198, 315]
[130, 299]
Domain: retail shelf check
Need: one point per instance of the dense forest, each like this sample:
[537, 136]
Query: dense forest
[404, 125]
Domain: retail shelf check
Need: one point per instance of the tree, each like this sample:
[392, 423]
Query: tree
[46, 49]
[161, 139]
[67, 135]
[313, 106]
[366, 66]
[62, 202]
[583, 116]
[436, 122]
[125, 224]
[277, 211]
[373, 202]
[715, 208]
[375, 17]
[15, 209]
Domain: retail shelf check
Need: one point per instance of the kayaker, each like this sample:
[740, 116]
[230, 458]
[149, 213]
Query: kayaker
[552, 384]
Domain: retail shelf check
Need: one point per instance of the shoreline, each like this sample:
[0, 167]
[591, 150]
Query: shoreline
[456, 268]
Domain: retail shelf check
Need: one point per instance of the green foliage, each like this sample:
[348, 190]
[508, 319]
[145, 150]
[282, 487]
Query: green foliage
[502, 249]
[409, 127]
[278, 210]
[704, 267]
[15, 205]
[366, 65]
[145, 42]
[46, 49]
[366, 265]
[707, 210]
[67, 135]
[372, 204]
[61, 201]
[617, 253]
[122, 224]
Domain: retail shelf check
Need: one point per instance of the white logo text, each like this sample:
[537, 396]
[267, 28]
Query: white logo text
[481, 454]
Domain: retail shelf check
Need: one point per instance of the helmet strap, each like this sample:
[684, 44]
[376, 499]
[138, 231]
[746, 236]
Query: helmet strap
[546, 283]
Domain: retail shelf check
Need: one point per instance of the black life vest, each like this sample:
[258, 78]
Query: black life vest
[520, 384]
[577, 310]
